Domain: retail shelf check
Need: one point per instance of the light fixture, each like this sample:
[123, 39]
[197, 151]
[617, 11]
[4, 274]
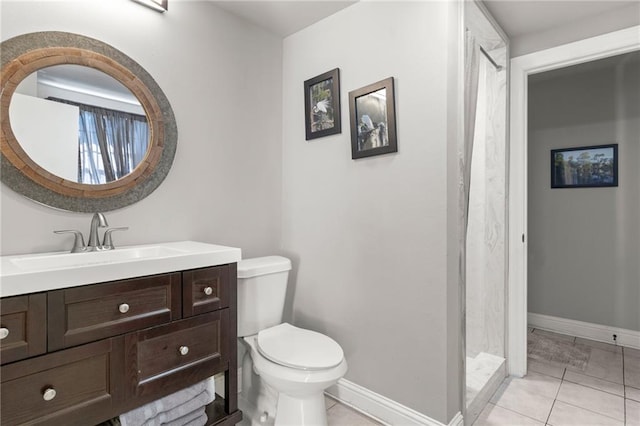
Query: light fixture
[158, 5]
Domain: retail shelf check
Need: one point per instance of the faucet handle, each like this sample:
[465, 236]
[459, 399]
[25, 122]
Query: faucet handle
[78, 241]
[107, 241]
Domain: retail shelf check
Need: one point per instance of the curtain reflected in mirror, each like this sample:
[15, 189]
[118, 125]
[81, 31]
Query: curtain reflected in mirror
[110, 143]
[80, 124]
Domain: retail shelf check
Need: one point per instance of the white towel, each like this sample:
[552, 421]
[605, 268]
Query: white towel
[199, 421]
[187, 418]
[172, 406]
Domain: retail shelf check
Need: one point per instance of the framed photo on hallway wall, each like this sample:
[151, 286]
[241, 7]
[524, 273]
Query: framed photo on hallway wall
[584, 167]
[373, 120]
[322, 105]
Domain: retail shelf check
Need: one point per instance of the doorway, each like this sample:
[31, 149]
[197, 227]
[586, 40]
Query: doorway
[591, 49]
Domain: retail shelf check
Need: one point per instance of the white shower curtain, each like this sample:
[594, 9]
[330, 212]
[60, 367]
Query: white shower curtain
[471, 71]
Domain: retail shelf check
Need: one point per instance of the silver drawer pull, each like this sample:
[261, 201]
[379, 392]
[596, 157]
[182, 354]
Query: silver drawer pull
[4, 332]
[49, 394]
[123, 308]
[183, 350]
[208, 291]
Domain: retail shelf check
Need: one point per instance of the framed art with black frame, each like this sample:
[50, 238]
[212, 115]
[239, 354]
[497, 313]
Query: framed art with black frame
[585, 166]
[322, 105]
[373, 120]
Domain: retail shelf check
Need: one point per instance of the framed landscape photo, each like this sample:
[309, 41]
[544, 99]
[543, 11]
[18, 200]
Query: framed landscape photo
[584, 167]
[322, 105]
[373, 120]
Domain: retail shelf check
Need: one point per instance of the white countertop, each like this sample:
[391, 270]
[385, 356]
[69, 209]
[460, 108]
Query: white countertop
[31, 273]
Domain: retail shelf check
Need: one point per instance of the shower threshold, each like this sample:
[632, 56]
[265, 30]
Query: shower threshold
[485, 373]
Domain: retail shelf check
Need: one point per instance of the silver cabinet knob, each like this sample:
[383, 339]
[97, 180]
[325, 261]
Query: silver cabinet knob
[208, 291]
[49, 394]
[183, 350]
[123, 308]
[4, 332]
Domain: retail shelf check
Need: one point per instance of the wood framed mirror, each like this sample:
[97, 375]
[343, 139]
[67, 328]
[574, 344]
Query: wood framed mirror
[23, 169]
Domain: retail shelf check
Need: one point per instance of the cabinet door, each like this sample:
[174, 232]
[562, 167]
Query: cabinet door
[79, 386]
[165, 359]
[205, 290]
[23, 327]
[88, 313]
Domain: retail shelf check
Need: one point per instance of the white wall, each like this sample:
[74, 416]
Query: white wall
[223, 79]
[616, 19]
[369, 237]
[48, 133]
[584, 243]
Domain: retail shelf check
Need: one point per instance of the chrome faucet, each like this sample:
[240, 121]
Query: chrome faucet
[97, 221]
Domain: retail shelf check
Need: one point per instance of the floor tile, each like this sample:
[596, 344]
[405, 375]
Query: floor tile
[341, 415]
[564, 414]
[631, 370]
[539, 384]
[329, 402]
[591, 399]
[518, 398]
[633, 413]
[593, 382]
[553, 335]
[632, 352]
[545, 368]
[603, 365]
[632, 393]
[600, 345]
[493, 415]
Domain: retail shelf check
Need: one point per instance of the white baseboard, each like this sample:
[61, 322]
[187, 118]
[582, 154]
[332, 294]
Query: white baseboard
[381, 408]
[600, 333]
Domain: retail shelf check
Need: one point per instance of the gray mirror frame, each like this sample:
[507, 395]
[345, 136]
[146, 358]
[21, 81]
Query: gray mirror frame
[22, 175]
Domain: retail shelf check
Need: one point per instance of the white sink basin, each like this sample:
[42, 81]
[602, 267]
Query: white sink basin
[48, 271]
[66, 260]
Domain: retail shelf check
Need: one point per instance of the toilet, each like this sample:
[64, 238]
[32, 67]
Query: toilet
[285, 369]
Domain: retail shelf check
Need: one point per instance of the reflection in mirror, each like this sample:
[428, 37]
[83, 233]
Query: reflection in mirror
[79, 123]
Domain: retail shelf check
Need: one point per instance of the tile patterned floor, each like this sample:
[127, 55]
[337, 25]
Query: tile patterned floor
[340, 415]
[605, 392]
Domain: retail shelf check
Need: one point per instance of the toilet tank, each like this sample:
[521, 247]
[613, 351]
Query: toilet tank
[262, 288]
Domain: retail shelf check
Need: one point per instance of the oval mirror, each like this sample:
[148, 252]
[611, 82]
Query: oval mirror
[84, 127]
[79, 124]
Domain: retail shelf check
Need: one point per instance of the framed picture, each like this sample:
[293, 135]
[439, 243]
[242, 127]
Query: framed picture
[584, 167]
[373, 120]
[322, 105]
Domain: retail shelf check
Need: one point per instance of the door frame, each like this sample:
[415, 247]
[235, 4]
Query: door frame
[594, 48]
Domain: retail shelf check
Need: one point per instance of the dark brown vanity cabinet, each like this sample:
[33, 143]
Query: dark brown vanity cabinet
[22, 331]
[79, 386]
[81, 355]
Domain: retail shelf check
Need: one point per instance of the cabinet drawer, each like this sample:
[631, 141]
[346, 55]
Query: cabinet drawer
[23, 323]
[206, 290]
[157, 364]
[84, 314]
[75, 386]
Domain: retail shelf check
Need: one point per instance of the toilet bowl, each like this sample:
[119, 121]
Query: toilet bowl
[300, 388]
[286, 368]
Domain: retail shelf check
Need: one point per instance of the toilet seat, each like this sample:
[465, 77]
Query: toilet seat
[298, 348]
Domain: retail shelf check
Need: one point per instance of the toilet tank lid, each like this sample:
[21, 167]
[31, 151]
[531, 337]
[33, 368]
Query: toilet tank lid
[248, 268]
